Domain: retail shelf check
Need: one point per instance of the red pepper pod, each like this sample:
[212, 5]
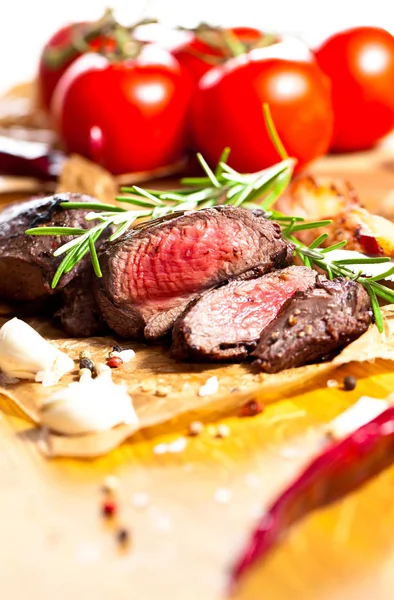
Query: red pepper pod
[339, 469]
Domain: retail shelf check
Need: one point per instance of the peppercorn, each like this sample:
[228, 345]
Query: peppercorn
[109, 508]
[349, 383]
[117, 348]
[123, 535]
[110, 484]
[223, 430]
[86, 363]
[195, 428]
[252, 408]
[114, 362]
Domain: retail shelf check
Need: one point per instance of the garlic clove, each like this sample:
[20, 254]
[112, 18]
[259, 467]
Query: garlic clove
[89, 405]
[25, 354]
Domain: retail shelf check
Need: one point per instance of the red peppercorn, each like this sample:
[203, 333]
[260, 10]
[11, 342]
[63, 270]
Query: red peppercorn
[114, 362]
[252, 408]
[109, 508]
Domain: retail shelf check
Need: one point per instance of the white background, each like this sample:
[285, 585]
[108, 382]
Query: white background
[26, 24]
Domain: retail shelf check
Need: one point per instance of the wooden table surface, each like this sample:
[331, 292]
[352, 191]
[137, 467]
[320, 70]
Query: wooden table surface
[189, 512]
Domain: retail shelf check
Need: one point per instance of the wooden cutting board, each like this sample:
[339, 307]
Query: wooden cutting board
[189, 512]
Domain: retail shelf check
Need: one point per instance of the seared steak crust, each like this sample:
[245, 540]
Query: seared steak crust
[79, 313]
[27, 265]
[225, 324]
[314, 324]
[150, 276]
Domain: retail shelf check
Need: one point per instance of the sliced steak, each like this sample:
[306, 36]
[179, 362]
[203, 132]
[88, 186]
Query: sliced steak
[314, 324]
[27, 265]
[79, 313]
[225, 324]
[150, 276]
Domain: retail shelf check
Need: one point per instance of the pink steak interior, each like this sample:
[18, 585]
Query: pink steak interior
[252, 305]
[184, 260]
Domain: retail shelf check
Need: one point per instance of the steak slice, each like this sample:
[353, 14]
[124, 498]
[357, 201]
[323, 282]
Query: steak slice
[79, 313]
[27, 265]
[225, 324]
[313, 324]
[150, 276]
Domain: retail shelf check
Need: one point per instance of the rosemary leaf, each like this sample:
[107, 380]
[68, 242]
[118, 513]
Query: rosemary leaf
[136, 201]
[222, 160]
[120, 231]
[92, 206]
[309, 225]
[376, 308]
[71, 244]
[94, 257]
[67, 260]
[154, 201]
[362, 261]
[318, 241]
[55, 231]
[208, 170]
[381, 290]
[382, 276]
[336, 246]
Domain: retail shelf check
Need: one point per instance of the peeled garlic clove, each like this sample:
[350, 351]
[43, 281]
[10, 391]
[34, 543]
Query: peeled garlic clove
[89, 405]
[25, 354]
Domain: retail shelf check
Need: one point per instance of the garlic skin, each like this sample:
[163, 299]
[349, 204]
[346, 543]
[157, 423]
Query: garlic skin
[89, 405]
[364, 410]
[25, 354]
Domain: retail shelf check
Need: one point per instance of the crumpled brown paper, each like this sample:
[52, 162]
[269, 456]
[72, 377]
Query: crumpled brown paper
[153, 373]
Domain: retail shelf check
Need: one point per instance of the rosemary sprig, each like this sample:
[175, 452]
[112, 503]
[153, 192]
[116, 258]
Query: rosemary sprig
[221, 186]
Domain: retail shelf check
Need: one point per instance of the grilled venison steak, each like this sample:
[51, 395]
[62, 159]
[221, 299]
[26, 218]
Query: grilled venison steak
[150, 276]
[79, 313]
[27, 265]
[313, 324]
[225, 324]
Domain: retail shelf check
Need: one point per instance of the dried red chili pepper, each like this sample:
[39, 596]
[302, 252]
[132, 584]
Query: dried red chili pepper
[30, 159]
[336, 471]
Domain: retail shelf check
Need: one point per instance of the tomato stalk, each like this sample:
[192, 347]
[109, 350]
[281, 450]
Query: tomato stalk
[54, 58]
[108, 29]
[218, 44]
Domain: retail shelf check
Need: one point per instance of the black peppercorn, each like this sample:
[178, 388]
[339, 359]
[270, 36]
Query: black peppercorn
[123, 537]
[349, 383]
[86, 363]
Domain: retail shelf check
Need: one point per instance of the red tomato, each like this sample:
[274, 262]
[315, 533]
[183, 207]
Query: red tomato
[228, 110]
[128, 115]
[207, 48]
[360, 64]
[49, 74]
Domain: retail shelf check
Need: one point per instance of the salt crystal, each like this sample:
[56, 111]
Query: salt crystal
[332, 383]
[88, 553]
[211, 386]
[140, 499]
[160, 449]
[252, 480]
[289, 453]
[163, 523]
[223, 495]
[111, 483]
[125, 355]
[178, 446]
